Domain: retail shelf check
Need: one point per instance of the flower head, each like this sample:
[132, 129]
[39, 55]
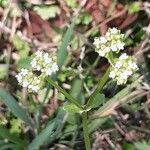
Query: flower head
[42, 62]
[45, 63]
[28, 80]
[123, 68]
[112, 41]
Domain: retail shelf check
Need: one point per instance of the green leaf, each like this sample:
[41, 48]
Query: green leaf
[134, 7]
[23, 63]
[84, 18]
[142, 146]
[15, 11]
[13, 106]
[87, 18]
[10, 146]
[76, 88]
[96, 124]
[42, 137]
[47, 12]
[71, 3]
[76, 92]
[128, 146]
[22, 46]
[60, 120]
[15, 126]
[71, 108]
[117, 99]
[62, 50]
[70, 128]
[98, 100]
[3, 71]
[5, 134]
[4, 3]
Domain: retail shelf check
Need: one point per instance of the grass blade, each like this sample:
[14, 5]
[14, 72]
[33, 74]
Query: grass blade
[13, 106]
[113, 102]
[62, 50]
[42, 137]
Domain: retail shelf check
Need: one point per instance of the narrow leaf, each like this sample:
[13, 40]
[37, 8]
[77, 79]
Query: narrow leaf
[10, 146]
[114, 101]
[42, 137]
[13, 106]
[62, 51]
[142, 146]
[60, 120]
[77, 89]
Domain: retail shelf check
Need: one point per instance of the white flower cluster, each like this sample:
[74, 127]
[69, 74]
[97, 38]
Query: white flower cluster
[112, 41]
[123, 68]
[27, 79]
[42, 62]
[45, 63]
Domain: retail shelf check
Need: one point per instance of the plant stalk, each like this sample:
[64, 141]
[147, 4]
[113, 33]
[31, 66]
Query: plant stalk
[68, 96]
[85, 131]
[100, 86]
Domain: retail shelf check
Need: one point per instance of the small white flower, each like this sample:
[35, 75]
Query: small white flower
[118, 64]
[30, 86]
[38, 67]
[33, 63]
[39, 53]
[113, 48]
[48, 71]
[107, 49]
[101, 53]
[133, 65]
[121, 81]
[25, 83]
[35, 88]
[82, 54]
[97, 41]
[112, 74]
[38, 81]
[123, 56]
[128, 72]
[120, 46]
[24, 72]
[114, 30]
[103, 40]
[54, 67]
[123, 75]
[19, 78]
[47, 59]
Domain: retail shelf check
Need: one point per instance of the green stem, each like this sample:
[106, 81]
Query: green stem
[101, 84]
[111, 58]
[68, 96]
[85, 131]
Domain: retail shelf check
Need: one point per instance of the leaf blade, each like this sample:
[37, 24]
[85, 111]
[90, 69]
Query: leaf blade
[13, 106]
[4, 133]
[42, 137]
[142, 146]
[62, 50]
